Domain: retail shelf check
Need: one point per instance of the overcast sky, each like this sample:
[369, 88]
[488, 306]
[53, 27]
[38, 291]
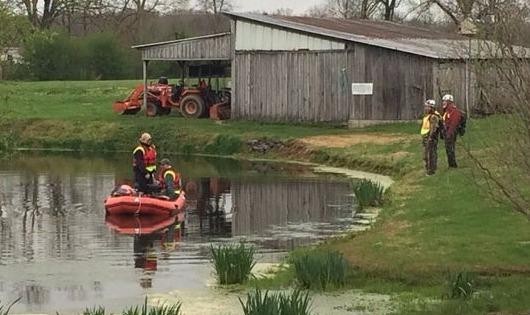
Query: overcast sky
[298, 6]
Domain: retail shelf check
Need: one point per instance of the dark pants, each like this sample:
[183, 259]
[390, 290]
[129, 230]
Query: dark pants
[430, 154]
[450, 147]
[141, 183]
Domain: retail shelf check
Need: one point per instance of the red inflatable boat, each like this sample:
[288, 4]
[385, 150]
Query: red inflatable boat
[126, 201]
[139, 225]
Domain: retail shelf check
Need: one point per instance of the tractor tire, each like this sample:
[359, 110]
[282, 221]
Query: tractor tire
[152, 109]
[192, 106]
[165, 110]
[130, 111]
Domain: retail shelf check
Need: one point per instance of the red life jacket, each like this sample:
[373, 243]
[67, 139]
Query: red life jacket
[174, 175]
[149, 156]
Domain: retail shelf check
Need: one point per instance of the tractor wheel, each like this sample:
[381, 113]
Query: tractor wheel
[165, 110]
[151, 109]
[192, 106]
[131, 111]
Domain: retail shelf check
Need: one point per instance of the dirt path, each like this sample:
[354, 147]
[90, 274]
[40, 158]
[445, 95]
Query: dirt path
[342, 141]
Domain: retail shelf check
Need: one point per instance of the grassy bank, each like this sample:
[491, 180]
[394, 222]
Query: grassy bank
[429, 227]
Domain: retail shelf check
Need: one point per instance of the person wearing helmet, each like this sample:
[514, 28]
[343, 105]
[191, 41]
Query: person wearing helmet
[144, 163]
[169, 180]
[452, 118]
[430, 130]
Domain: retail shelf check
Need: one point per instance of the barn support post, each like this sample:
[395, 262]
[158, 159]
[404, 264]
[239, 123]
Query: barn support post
[145, 62]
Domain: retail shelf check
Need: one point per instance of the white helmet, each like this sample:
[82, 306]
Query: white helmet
[448, 97]
[145, 138]
[431, 103]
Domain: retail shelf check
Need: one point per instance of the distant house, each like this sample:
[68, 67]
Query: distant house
[304, 69]
[12, 54]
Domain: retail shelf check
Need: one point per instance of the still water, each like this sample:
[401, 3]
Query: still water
[58, 251]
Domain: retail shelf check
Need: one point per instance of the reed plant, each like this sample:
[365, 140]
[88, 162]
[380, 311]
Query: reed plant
[320, 270]
[233, 263]
[461, 285]
[368, 193]
[174, 309]
[265, 303]
[4, 309]
[95, 311]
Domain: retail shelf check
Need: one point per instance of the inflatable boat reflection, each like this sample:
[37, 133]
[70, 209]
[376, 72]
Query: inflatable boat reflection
[148, 232]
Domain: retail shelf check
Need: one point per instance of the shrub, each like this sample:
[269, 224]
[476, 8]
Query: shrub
[233, 263]
[259, 303]
[461, 285]
[320, 270]
[368, 193]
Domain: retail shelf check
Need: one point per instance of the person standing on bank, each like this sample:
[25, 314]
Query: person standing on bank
[144, 163]
[430, 129]
[452, 118]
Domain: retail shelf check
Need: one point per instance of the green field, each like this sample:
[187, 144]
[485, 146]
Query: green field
[429, 227]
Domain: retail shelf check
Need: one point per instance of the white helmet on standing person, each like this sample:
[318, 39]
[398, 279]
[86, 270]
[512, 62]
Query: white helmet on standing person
[448, 98]
[430, 103]
[145, 138]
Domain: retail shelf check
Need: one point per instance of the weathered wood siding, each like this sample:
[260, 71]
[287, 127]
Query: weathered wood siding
[316, 86]
[449, 77]
[255, 36]
[259, 206]
[214, 48]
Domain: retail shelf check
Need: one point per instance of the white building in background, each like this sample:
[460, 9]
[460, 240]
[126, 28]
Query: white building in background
[11, 54]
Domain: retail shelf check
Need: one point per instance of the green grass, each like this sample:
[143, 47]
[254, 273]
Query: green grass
[259, 303]
[174, 309]
[232, 263]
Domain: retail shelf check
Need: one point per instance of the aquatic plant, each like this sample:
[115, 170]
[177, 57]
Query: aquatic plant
[320, 270]
[259, 303]
[100, 310]
[4, 309]
[174, 309]
[368, 193]
[232, 263]
[461, 285]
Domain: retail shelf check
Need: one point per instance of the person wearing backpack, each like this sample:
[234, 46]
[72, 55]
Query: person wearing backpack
[430, 130]
[454, 124]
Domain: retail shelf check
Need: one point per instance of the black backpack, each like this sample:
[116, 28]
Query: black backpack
[461, 129]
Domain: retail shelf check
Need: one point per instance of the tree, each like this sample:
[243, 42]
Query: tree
[214, 6]
[43, 13]
[318, 11]
[505, 167]
[349, 9]
[13, 30]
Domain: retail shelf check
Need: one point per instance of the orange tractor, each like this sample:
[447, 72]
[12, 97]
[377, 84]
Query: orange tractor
[193, 102]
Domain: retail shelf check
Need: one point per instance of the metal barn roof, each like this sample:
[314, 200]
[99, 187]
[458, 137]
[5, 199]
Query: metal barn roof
[389, 35]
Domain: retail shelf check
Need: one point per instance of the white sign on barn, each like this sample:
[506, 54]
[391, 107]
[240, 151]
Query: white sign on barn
[362, 88]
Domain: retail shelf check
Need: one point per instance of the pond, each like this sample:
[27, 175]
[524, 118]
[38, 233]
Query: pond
[59, 252]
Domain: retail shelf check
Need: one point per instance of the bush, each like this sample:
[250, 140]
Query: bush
[461, 285]
[320, 270]
[276, 304]
[233, 263]
[368, 193]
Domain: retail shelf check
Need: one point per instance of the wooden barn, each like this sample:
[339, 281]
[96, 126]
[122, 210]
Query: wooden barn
[304, 69]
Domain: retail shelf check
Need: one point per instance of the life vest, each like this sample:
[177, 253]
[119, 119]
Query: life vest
[149, 157]
[174, 175]
[426, 124]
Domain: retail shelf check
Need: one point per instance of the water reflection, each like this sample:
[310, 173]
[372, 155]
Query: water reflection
[59, 252]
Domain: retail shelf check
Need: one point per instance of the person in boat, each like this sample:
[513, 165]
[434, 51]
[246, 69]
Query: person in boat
[169, 180]
[144, 163]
